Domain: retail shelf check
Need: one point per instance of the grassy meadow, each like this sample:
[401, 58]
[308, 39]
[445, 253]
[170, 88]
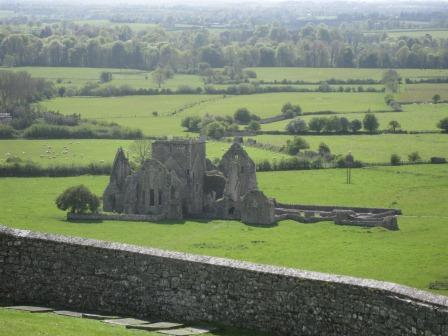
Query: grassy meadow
[414, 117]
[23, 324]
[413, 256]
[85, 151]
[323, 74]
[78, 77]
[373, 148]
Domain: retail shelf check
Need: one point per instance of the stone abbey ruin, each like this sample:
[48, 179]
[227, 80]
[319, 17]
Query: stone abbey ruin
[180, 182]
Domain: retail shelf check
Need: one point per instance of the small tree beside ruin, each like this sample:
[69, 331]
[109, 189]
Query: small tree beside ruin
[78, 199]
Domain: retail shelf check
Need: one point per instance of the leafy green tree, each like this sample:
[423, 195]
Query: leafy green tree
[105, 76]
[294, 146]
[78, 199]
[242, 116]
[443, 124]
[317, 124]
[297, 126]
[370, 123]
[394, 125]
[436, 98]
[324, 149]
[140, 150]
[391, 80]
[355, 125]
[215, 130]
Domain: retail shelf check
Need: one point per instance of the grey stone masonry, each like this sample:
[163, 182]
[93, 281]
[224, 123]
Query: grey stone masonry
[111, 278]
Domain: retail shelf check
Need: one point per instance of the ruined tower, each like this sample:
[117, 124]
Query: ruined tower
[187, 158]
[114, 194]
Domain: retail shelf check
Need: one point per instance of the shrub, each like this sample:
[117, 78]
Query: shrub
[395, 160]
[297, 126]
[215, 130]
[6, 132]
[192, 124]
[443, 124]
[294, 146]
[290, 111]
[78, 199]
[436, 98]
[242, 116]
[414, 157]
[253, 126]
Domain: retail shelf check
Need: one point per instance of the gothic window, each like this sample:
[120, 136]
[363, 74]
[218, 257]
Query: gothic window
[242, 169]
[173, 193]
[160, 197]
[151, 197]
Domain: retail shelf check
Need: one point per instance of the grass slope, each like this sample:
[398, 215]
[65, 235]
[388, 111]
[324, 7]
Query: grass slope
[23, 324]
[415, 256]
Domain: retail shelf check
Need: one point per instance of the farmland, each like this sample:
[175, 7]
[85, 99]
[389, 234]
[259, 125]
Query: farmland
[316, 75]
[414, 117]
[83, 151]
[404, 256]
[77, 77]
[373, 148]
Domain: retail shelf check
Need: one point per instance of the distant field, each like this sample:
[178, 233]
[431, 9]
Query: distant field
[374, 148]
[136, 111]
[423, 92]
[415, 255]
[132, 111]
[322, 74]
[436, 33]
[77, 77]
[414, 117]
[83, 152]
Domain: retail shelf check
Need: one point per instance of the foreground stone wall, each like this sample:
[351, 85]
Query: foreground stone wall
[75, 273]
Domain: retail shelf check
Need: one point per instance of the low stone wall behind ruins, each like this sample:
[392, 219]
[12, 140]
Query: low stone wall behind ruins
[90, 275]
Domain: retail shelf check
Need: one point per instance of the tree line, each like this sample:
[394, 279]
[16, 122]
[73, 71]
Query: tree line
[272, 45]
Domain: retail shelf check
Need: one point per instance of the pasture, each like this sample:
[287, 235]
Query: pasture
[414, 117]
[85, 151]
[78, 77]
[415, 255]
[373, 148]
[316, 75]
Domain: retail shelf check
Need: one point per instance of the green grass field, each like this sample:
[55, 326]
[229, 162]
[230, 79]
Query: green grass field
[83, 152]
[414, 256]
[77, 77]
[435, 33]
[322, 74]
[374, 148]
[23, 324]
[423, 92]
[414, 117]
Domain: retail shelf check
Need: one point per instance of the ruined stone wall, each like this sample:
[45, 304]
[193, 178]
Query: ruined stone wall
[83, 274]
